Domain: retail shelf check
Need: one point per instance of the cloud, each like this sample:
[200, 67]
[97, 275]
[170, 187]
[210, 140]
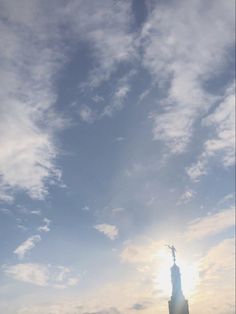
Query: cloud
[36, 212]
[106, 311]
[97, 99]
[63, 271]
[120, 94]
[117, 101]
[120, 139]
[110, 231]
[141, 253]
[66, 307]
[186, 197]
[28, 121]
[86, 208]
[45, 227]
[117, 210]
[223, 122]
[5, 211]
[211, 225]
[139, 306]
[4, 195]
[87, 114]
[229, 198]
[222, 144]
[112, 43]
[216, 271]
[42, 275]
[198, 169]
[31, 273]
[181, 61]
[27, 245]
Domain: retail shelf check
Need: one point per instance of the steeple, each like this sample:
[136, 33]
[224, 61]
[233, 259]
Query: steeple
[177, 303]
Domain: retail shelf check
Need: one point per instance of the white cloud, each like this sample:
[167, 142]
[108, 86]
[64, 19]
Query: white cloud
[97, 99]
[87, 114]
[216, 271]
[66, 307]
[186, 197]
[227, 198]
[223, 122]
[120, 94]
[110, 231]
[73, 281]
[45, 227]
[42, 275]
[106, 26]
[4, 195]
[211, 225]
[5, 211]
[86, 208]
[181, 60]
[27, 245]
[198, 169]
[31, 273]
[28, 120]
[119, 139]
[117, 209]
[36, 212]
[142, 252]
[63, 271]
[222, 144]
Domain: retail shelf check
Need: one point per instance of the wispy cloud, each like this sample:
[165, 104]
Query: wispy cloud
[111, 231]
[28, 84]
[87, 114]
[216, 270]
[211, 225]
[181, 60]
[222, 144]
[28, 120]
[186, 197]
[141, 253]
[45, 227]
[67, 307]
[112, 43]
[86, 208]
[27, 245]
[118, 210]
[42, 275]
[36, 212]
[229, 198]
[31, 273]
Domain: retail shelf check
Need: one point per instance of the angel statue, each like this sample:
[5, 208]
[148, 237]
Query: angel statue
[173, 251]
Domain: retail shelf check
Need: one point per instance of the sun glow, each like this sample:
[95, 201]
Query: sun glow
[189, 274]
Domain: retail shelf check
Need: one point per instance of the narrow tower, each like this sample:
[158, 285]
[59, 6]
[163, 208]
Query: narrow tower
[177, 303]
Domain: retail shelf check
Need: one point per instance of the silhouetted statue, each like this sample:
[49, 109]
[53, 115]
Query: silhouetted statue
[173, 250]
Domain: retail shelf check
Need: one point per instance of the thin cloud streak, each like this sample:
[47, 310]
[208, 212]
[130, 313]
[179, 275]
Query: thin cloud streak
[27, 246]
[211, 225]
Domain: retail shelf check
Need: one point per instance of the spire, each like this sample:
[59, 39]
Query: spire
[177, 303]
[176, 282]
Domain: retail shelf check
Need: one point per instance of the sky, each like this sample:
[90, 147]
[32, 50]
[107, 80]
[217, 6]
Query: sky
[116, 138]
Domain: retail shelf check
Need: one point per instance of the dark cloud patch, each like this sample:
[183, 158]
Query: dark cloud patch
[106, 311]
[139, 306]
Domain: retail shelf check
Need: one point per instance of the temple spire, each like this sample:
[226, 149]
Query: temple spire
[177, 304]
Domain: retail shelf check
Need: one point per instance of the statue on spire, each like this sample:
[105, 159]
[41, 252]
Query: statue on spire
[173, 251]
[177, 304]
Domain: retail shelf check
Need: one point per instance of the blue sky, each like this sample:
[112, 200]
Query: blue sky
[116, 137]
